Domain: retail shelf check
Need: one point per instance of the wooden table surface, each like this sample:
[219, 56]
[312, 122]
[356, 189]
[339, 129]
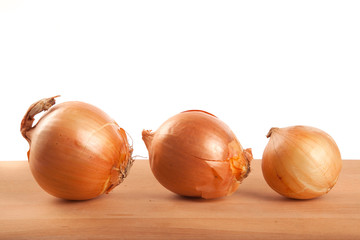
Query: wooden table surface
[140, 208]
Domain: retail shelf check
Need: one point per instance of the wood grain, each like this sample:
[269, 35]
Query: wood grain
[140, 208]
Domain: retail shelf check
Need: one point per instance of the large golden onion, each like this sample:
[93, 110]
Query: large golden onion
[77, 151]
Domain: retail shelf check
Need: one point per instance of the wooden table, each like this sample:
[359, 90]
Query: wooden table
[140, 208]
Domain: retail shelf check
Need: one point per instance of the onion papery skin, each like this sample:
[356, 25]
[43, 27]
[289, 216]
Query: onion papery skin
[195, 154]
[301, 162]
[77, 152]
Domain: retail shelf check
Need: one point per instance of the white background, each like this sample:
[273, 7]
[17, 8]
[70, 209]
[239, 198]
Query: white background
[254, 64]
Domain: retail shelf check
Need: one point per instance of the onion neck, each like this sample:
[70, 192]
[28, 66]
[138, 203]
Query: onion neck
[147, 137]
[28, 119]
[271, 131]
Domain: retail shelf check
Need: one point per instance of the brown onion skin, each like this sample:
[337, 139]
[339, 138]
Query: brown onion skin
[77, 152]
[301, 162]
[197, 155]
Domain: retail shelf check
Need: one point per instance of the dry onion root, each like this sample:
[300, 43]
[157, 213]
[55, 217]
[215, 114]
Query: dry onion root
[77, 151]
[301, 162]
[197, 155]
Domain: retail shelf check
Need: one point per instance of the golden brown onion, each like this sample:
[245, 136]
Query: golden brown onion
[195, 154]
[77, 151]
[301, 162]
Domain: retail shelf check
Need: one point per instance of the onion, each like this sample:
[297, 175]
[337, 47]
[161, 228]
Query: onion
[197, 155]
[301, 162]
[77, 151]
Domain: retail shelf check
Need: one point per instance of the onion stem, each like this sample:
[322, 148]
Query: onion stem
[37, 107]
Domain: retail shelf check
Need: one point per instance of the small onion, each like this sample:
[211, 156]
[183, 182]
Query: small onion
[301, 162]
[77, 151]
[197, 155]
